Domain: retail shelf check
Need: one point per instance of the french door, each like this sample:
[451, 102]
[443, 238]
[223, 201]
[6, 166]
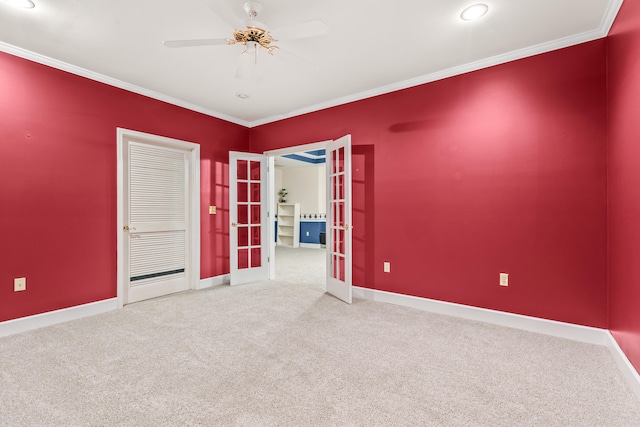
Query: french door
[339, 225]
[248, 238]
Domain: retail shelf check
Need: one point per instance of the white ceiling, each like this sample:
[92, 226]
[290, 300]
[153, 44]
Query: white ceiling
[373, 47]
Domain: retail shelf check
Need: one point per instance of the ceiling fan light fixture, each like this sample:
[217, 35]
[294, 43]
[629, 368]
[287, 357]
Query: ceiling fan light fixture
[474, 12]
[254, 36]
[23, 4]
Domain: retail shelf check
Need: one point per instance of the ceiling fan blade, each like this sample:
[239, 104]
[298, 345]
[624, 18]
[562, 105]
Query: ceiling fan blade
[196, 42]
[302, 30]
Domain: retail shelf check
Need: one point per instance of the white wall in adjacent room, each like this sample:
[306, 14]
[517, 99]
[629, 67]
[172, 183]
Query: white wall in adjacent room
[277, 182]
[307, 186]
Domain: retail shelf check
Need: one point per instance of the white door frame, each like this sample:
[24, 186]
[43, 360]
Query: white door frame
[271, 206]
[193, 204]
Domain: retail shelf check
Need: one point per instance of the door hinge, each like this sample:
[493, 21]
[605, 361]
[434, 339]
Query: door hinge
[268, 259]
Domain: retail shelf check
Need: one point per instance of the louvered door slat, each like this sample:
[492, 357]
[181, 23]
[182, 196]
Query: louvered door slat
[156, 255]
[157, 214]
[156, 184]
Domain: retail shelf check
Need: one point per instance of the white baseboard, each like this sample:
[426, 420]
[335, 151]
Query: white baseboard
[628, 370]
[214, 281]
[23, 324]
[532, 324]
[310, 245]
[36, 321]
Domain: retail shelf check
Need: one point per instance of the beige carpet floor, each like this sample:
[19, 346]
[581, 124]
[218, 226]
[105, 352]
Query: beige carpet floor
[284, 353]
[301, 265]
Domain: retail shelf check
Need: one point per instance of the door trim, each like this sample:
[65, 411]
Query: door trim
[193, 204]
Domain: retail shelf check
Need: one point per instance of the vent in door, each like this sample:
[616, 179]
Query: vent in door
[156, 256]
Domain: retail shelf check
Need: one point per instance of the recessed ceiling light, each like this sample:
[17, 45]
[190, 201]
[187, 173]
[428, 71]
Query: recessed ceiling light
[474, 12]
[242, 95]
[24, 4]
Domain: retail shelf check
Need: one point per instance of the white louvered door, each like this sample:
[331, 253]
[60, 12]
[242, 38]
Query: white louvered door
[156, 219]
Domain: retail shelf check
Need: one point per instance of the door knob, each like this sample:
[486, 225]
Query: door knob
[233, 224]
[128, 228]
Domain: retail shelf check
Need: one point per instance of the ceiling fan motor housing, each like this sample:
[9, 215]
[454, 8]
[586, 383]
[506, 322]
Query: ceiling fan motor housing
[253, 8]
[257, 35]
[256, 31]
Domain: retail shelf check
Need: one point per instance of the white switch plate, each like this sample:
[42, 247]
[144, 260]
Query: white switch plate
[20, 284]
[504, 279]
[212, 210]
[307, 234]
[387, 267]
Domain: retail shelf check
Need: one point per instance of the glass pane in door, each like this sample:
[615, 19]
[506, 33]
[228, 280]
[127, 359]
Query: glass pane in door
[242, 170]
[248, 218]
[255, 171]
[243, 258]
[248, 214]
[243, 214]
[243, 192]
[256, 257]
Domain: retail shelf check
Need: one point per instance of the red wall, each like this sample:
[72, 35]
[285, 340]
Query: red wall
[499, 170]
[624, 180]
[58, 182]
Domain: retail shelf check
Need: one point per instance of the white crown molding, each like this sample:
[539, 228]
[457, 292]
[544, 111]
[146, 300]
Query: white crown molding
[23, 324]
[602, 31]
[60, 65]
[438, 75]
[610, 16]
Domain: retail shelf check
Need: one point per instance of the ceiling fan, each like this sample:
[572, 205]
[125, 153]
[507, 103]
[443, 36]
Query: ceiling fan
[256, 37]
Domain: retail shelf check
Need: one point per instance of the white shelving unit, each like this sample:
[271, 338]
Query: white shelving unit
[289, 224]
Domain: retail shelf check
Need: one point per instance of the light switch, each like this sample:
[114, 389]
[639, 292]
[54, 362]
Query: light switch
[504, 279]
[387, 267]
[212, 210]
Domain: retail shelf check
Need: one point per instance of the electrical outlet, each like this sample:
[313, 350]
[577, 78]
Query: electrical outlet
[504, 279]
[387, 267]
[307, 234]
[212, 210]
[20, 284]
